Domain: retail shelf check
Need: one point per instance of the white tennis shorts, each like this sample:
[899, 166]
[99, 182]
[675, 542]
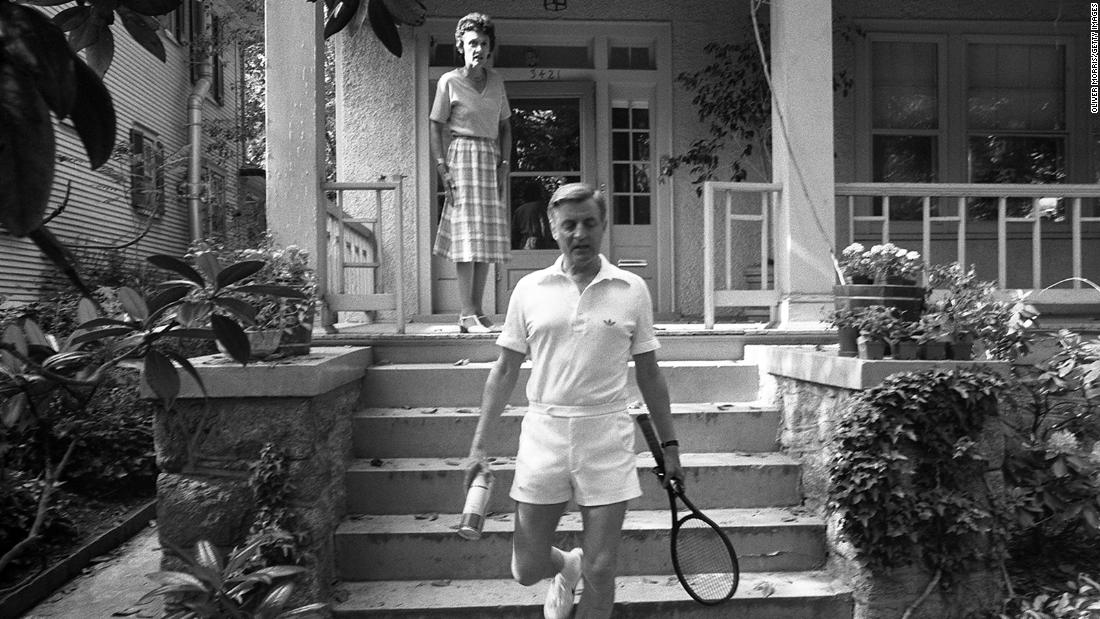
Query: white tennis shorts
[583, 453]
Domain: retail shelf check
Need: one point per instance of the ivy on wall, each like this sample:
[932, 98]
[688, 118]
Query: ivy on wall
[905, 469]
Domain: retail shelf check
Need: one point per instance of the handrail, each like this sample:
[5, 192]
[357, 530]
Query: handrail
[970, 190]
[340, 300]
[729, 296]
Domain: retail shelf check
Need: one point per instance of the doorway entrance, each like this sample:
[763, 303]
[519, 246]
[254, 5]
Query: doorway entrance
[552, 144]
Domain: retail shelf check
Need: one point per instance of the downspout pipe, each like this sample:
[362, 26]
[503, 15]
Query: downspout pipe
[194, 128]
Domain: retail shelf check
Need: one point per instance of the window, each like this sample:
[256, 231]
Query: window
[146, 173]
[1007, 97]
[213, 202]
[638, 57]
[631, 166]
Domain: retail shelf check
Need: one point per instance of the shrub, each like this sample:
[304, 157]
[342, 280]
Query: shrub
[115, 434]
[1075, 599]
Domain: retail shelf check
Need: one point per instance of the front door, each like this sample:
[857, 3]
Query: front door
[552, 144]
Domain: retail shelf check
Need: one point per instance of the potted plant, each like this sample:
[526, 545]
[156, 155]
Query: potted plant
[970, 311]
[846, 323]
[281, 323]
[875, 325]
[932, 338]
[903, 340]
[882, 275]
[855, 264]
[294, 317]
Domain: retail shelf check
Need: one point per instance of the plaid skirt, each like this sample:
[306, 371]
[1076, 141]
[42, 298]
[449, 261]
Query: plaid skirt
[474, 228]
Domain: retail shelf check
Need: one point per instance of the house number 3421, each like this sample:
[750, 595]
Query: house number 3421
[545, 74]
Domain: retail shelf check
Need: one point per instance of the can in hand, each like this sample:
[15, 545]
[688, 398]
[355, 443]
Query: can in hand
[477, 500]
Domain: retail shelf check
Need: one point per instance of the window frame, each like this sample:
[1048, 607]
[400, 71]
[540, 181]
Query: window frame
[953, 133]
[147, 190]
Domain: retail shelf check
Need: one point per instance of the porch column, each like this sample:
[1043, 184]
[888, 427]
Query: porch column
[294, 48]
[802, 156]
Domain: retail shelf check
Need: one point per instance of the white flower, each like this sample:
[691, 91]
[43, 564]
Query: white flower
[1094, 456]
[913, 255]
[901, 253]
[1063, 441]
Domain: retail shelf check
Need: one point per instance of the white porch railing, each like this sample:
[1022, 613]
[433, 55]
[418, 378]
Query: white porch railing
[721, 197]
[1042, 198]
[355, 252]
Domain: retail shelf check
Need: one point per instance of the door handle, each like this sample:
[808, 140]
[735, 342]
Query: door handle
[631, 263]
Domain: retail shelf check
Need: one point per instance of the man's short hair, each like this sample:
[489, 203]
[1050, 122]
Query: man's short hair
[479, 23]
[579, 192]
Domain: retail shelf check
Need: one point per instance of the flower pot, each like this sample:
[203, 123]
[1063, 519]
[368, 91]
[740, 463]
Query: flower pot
[933, 351]
[908, 301]
[262, 343]
[897, 280]
[962, 347]
[847, 337]
[871, 348]
[298, 335]
[904, 350]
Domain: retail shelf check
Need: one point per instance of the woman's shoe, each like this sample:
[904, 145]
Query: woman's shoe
[484, 321]
[471, 324]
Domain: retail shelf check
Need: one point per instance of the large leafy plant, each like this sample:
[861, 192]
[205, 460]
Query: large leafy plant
[213, 587]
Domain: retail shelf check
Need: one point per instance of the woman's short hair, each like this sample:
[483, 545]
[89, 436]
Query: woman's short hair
[476, 22]
[579, 192]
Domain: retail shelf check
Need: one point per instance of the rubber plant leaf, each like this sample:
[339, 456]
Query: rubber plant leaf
[143, 29]
[35, 43]
[162, 377]
[26, 150]
[100, 54]
[93, 115]
[408, 12]
[341, 13]
[133, 303]
[381, 22]
[232, 338]
[171, 263]
[72, 18]
[151, 8]
[238, 271]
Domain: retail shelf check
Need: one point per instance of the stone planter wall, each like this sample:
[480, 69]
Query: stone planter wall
[812, 390]
[303, 406]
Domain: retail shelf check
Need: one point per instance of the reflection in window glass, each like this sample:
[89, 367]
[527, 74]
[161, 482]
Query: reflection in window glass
[1015, 159]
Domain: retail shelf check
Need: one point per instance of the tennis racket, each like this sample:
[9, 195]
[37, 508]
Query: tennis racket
[702, 555]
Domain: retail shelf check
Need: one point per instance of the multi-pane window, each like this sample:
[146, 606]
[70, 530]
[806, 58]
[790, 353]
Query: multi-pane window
[631, 164]
[146, 173]
[1016, 118]
[1011, 111]
[905, 118]
[213, 201]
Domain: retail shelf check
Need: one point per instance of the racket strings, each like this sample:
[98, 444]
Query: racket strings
[704, 560]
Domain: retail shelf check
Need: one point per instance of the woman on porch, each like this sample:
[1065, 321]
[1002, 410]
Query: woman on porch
[471, 112]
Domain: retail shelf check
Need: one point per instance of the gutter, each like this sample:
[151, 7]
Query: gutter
[194, 128]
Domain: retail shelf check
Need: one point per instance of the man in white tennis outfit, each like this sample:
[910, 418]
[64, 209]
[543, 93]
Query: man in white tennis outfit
[581, 321]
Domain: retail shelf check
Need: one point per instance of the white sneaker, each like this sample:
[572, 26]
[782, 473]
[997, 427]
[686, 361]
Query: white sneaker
[559, 599]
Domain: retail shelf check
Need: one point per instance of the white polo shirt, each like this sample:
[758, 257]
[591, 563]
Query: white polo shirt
[579, 343]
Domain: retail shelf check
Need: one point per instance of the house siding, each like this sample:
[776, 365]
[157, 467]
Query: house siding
[152, 95]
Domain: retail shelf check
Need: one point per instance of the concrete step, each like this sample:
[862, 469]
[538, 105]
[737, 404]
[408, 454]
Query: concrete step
[446, 384]
[786, 595]
[427, 546]
[446, 431]
[416, 485]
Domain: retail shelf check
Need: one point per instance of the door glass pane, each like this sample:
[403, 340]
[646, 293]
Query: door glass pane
[546, 153]
[546, 135]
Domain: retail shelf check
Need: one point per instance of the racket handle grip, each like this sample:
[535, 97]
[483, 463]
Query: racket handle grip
[651, 439]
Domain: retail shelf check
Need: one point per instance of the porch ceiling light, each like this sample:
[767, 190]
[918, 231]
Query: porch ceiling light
[554, 5]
